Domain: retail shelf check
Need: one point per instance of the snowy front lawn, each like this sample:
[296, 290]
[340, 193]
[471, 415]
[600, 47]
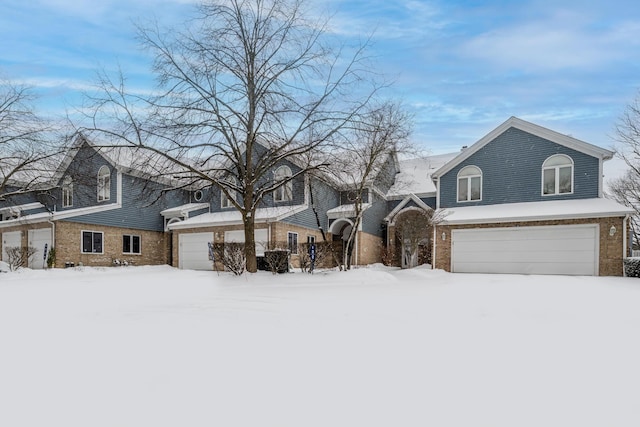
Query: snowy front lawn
[156, 346]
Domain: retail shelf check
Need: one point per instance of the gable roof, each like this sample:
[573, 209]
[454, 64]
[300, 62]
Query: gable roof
[414, 176]
[540, 131]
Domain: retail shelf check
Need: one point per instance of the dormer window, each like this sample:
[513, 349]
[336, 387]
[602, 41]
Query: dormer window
[104, 184]
[469, 184]
[557, 175]
[284, 193]
[67, 192]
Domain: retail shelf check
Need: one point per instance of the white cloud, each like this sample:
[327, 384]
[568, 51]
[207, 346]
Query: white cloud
[564, 40]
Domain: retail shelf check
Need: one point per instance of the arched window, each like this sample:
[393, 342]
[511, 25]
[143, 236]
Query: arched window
[284, 193]
[469, 184]
[104, 184]
[67, 192]
[557, 175]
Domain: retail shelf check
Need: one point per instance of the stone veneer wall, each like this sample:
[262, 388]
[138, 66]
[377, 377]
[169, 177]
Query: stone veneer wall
[68, 246]
[611, 249]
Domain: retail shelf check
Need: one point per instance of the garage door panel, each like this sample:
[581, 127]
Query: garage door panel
[571, 249]
[566, 244]
[527, 257]
[194, 251]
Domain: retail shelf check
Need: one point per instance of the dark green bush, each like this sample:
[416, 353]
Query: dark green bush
[632, 267]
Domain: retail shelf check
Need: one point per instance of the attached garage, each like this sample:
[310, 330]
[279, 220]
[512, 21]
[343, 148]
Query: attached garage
[554, 249]
[10, 239]
[193, 251]
[40, 239]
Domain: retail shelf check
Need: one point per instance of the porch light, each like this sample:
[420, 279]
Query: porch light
[444, 236]
[612, 230]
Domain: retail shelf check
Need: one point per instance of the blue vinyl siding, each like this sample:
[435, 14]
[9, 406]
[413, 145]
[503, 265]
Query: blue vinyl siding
[142, 202]
[84, 172]
[373, 217]
[386, 177]
[324, 197]
[511, 167]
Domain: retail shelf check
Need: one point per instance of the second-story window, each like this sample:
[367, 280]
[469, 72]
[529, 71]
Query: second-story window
[67, 192]
[469, 184]
[104, 184]
[557, 175]
[226, 202]
[284, 193]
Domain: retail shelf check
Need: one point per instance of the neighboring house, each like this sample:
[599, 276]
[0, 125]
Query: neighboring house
[101, 212]
[523, 199]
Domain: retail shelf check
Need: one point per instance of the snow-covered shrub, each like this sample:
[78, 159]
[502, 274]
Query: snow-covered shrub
[18, 256]
[231, 256]
[323, 255]
[632, 267]
[277, 260]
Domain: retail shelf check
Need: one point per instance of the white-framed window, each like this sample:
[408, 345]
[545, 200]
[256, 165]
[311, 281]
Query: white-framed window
[292, 242]
[284, 193]
[104, 184]
[557, 175]
[67, 192]
[131, 244]
[226, 202]
[311, 239]
[92, 242]
[469, 184]
[197, 195]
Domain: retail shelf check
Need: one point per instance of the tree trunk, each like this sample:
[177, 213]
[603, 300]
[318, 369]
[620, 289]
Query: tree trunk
[250, 242]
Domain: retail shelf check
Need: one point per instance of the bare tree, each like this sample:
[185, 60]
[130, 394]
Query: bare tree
[413, 230]
[376, 139]
[626, 189]
[24, 150]
[249, 84]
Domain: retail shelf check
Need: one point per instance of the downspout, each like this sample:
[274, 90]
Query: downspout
[625, 250]
[53, 235]
[435, 245]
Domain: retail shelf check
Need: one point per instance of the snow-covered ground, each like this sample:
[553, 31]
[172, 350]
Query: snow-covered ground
[156, 346]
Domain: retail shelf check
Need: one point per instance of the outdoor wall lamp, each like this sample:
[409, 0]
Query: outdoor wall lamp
[612, 230]
[444, 236]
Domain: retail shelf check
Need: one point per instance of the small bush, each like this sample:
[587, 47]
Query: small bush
[632, 267]
[18, 256]
[231, 256]
[277, 260]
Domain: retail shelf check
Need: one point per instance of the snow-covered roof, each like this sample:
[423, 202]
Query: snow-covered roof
[233, 217]
[534, 211]
[345, 211]
[183, 210]
[415, 175]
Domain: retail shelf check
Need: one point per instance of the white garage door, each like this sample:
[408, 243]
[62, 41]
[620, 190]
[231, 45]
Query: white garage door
[9, 240]
[193, 253]
[571, 250]
[39, 239]
[261, 236]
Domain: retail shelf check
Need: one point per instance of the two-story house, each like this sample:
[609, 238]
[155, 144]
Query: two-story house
[101, 211]
[525, 199]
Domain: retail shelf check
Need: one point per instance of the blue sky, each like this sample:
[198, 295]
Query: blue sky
[461, 67]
